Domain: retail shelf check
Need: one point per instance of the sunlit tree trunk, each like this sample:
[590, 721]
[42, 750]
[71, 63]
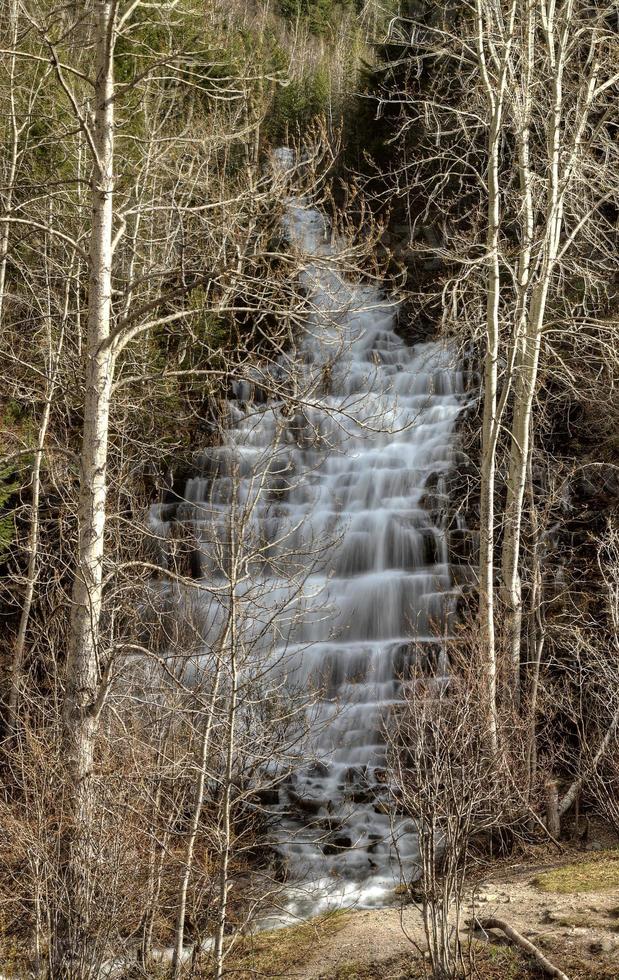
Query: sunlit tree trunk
[563, 152]
[210, 715]
[14, 130]
[84, 684]
[226, 803]
[495, 93]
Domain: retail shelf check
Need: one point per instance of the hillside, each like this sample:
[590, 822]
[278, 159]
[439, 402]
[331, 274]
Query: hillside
[309, 489]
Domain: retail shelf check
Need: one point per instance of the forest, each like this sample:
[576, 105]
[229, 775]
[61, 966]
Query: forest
[309, 489]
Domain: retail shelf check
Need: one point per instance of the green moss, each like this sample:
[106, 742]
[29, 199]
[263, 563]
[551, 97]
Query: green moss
[600, 874]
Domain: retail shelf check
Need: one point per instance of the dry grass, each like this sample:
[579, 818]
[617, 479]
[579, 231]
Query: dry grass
[600, 874]
[279, 951]
[576, 920]
[491, 963]
[398, 968]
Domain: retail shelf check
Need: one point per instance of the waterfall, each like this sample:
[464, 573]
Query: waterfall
[351, 482]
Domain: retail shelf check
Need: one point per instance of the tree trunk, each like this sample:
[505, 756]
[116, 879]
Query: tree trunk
[548, 968]
[179, 935]
[553, 819]
[491, 420]
[536, 639]
[226, 803]
[9, 177]
[84, 688]
[572, 792]
[559, 177]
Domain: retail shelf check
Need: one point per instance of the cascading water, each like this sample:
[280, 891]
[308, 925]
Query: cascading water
[362, 467]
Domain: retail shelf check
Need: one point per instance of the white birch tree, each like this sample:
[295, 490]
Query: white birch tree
[507, 108]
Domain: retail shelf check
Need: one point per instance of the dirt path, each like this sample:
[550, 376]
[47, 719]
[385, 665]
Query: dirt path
[576, 926]
[368, 938]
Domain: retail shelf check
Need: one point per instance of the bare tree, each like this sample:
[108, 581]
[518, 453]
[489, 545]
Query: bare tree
[445, 780]
[188, 286]
[583, 694]
[510, 188]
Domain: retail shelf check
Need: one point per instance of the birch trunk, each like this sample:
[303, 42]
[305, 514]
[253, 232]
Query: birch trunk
[236, 528]
[537, 639]
[562, 159]
[512, 591]
[84, 688]
[179, 936]
[9, 177]
[226, 825]
[570, 796]
[490, 428]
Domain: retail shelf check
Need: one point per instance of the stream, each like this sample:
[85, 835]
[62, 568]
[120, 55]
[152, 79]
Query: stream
[347, 490]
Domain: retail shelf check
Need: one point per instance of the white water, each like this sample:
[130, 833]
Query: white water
[351, 473]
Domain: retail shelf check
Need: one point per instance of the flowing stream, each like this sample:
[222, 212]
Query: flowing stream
[357, 490]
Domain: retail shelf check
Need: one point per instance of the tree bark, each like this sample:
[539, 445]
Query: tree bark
[569, 798]
[519, 940]
[490, 426]
[84, 688]
[562, 161]
[226, 802]
[553, 817]
[9, 178]
[179, 935]
[512, 586]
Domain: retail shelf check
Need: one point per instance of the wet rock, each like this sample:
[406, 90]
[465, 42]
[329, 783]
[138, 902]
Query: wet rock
[431, 554]
[356, 774]
[331, 825]
[279, 487]
[319, 769]
[268, 797]
[336, 846]
[306, 804]
[363, 796]
[463, 576]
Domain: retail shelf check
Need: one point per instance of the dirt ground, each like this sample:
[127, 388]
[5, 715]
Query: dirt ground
[577, 929]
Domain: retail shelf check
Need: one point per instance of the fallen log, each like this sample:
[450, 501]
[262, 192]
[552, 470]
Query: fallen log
[524, 944]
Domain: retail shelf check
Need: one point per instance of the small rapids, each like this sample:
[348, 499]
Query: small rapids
[348, 486]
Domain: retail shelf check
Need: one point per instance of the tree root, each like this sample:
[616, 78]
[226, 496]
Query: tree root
[522, 943]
